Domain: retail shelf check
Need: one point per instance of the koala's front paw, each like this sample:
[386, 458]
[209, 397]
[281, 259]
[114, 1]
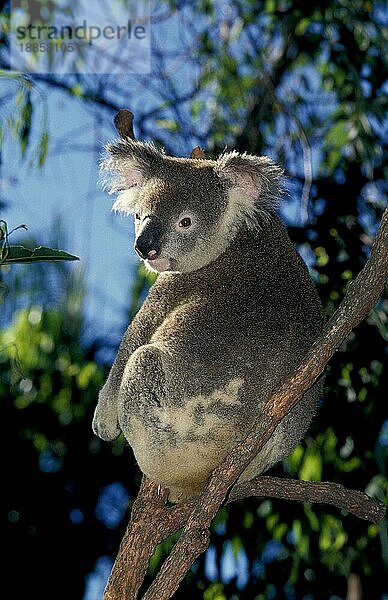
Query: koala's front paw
[105, 422]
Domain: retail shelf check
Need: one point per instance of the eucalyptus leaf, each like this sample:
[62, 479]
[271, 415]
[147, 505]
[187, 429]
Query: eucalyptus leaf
[20, 254]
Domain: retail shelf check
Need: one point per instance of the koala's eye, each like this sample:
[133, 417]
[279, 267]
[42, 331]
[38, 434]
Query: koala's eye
[137, 217]
[184, 223]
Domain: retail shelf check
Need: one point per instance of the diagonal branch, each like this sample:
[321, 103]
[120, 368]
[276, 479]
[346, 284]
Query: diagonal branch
[152, 521]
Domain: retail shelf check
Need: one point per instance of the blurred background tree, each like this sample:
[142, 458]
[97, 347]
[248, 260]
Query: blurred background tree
[305, 83]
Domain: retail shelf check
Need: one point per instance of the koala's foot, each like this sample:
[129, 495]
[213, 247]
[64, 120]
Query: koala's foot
[105, 421]
[180, 495]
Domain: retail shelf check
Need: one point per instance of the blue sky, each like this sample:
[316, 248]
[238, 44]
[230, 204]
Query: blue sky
[66, 188]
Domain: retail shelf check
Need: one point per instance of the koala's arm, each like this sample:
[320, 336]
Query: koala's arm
[139, 332]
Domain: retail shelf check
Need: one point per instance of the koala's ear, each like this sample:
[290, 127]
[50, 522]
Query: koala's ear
[256, 178]
[127, 164]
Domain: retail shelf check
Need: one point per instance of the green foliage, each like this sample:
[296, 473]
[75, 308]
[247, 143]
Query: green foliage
[35, 337]
[24, 112]
[214, 592]
[57, 469]
[19, 254]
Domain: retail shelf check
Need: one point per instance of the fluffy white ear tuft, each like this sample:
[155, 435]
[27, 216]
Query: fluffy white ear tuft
[253, 183]
[126, 166]
[126, 201]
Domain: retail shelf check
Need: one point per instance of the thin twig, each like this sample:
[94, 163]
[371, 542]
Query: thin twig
[123, 121]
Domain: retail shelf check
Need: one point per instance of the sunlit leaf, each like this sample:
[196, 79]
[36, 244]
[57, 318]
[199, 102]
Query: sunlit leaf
[302, 26]
[338, 134]
[20, 254]
[311, 469]
[332, 536]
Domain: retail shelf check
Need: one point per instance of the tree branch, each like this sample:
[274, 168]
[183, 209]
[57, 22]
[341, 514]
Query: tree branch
[123, 121]
[152, 521]
[321, 492]
[136, 546]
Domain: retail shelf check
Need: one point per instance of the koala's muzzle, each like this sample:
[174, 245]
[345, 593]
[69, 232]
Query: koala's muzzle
[148, 241]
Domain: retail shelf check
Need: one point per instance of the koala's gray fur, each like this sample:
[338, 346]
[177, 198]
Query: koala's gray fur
[231, 314]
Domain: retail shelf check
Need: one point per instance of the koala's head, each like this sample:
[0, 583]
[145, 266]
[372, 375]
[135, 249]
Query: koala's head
[187, 211]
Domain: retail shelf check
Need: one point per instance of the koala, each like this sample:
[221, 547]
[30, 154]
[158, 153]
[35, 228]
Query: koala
[231, 314]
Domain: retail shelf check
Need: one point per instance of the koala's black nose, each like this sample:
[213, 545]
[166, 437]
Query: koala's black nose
[146, 249]
[147, 243]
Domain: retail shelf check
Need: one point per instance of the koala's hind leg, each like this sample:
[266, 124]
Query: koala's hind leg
[142, 400]
[142, 389]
